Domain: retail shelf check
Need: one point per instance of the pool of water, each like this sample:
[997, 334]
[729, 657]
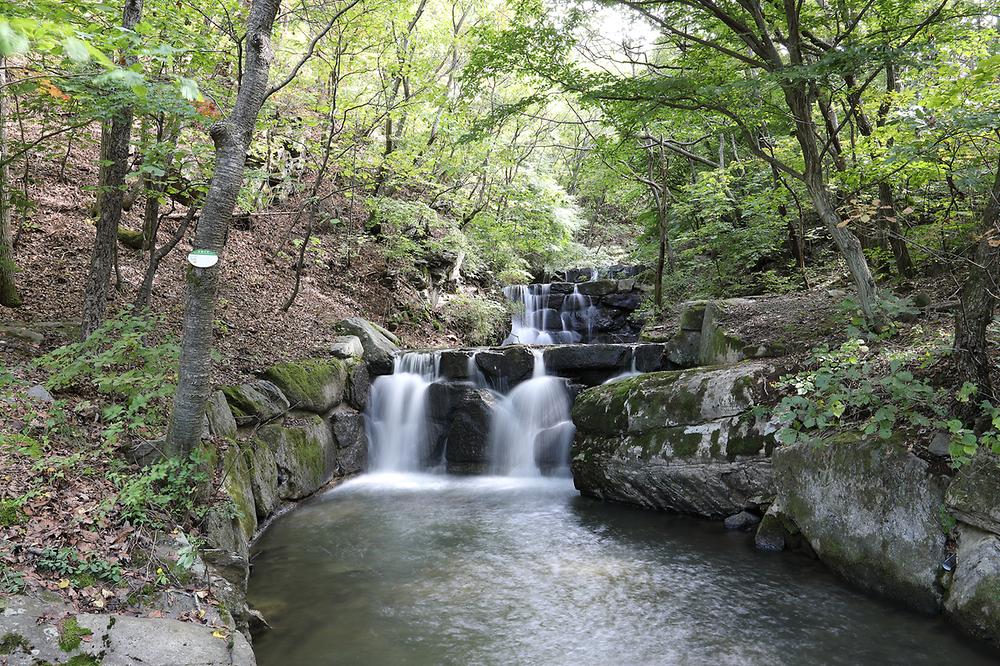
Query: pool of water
[423, 569]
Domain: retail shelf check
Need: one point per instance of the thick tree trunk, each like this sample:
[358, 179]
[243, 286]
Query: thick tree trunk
[110, 195]
[979, 300]
[231, 138]
[8, 287]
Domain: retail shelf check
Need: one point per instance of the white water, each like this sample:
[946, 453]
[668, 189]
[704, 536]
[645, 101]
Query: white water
[538, 324]
[532, 426]
[530, 429]
[396, 418]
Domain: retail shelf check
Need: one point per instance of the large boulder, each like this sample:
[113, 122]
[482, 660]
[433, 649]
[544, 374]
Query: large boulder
[359, 384]
[237, 483]
[255, 402]
[304, 454]
[596, 288]
[314, 385]
[455, 363]
[263, 476]
[467, 448]
[379, 344]
[685, 441]
[973, 601]
[579, 357]
[347, 346]
[871, 511]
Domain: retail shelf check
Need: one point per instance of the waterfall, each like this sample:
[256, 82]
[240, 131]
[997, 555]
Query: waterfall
[538, 323]
[396, 422]
[531, 427]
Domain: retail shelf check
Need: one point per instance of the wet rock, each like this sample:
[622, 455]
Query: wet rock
[771, 534]
[379, 344]
[552, 446]
[625, 301]
[973, 601]
[358, 384]
[347, 346]
[469, 432]
[352, 443]
[221, 422]
[581, 357]
[455, 364]
[255, 402]
[648, 357]
[743, 521]
[871, 512]
[684, 348]
[507, 366]
[314, 385]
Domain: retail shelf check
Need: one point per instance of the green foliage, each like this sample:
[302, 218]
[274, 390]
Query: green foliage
[11, 580]
[84, 571]
[481, 321]
[164, 493]
[123, 363]
[854, 389]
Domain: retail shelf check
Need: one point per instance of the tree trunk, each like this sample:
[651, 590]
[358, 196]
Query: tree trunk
[979, 299]
[8, 287]
[110, 194]
[822, 200]
[231, 137]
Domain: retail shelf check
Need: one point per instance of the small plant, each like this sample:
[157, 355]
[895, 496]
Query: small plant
[11, 580]
[71, 634]
[481, 321]
[85, 572]
[161, 493]
[120, 361]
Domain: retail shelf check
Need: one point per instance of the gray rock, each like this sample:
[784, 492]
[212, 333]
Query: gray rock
[507, 366]
[683, 441]
[743, 521]
[39, 393]
[940, 445]
[358, 384]
[771, 536]
[626, 285]
[237, 483]
[974, 495]
[469, 432]
[581, 357]
[255, 402]
[561, 288]
[648, 357]
[379, 344]
[871, 512]
[352, 443]
[973, 601]
[220, 418]
[626, 301]
[455, 364]
[347, 346]
[263, 477]
[552, 446]
[692, 315]
[683, 350]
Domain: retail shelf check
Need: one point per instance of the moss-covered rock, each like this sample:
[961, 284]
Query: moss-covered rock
[314, 385]
[130, 238]
[221, 422]
[237, 484]
[304, 454]
[263, 476]
[255, 402]
[870, 510]
[683, 441]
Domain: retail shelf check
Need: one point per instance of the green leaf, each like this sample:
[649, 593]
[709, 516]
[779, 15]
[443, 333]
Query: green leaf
[76, 50]
[189, 89]
[11, 42]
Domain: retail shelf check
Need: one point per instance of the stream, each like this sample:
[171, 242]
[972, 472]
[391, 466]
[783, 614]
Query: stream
[411, 568]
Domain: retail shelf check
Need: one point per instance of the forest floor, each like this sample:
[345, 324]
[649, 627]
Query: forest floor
[251, 331]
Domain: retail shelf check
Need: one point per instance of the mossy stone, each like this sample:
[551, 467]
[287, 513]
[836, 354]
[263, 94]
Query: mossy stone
[314, 385]
[237, 484]
[305, 455]
[130, 238]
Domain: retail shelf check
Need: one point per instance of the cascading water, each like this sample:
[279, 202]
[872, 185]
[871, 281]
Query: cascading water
[539, 324]
[532, 429]
[396, 422]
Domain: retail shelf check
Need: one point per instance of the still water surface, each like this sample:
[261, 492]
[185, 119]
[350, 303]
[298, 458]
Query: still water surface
[424, 569]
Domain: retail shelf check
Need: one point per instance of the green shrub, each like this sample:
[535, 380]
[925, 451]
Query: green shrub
[853, 389]
[479, 320]
[122, 361]
[162, 493]
[84, 571]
